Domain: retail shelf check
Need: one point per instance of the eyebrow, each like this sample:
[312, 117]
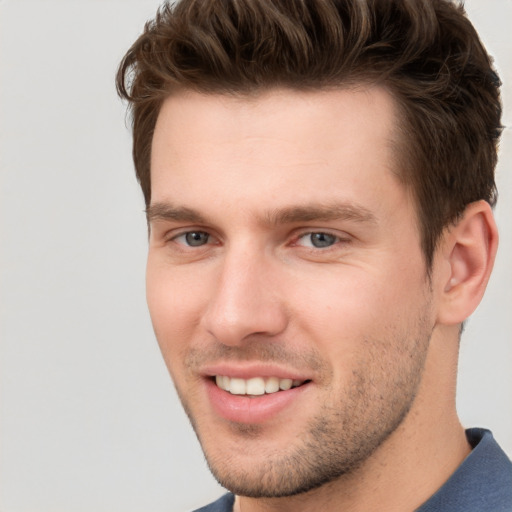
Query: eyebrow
[166, 211]
[288, 215]
[322, 213]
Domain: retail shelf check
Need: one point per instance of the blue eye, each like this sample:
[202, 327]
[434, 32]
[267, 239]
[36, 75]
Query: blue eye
[318, 240]
[194, 238]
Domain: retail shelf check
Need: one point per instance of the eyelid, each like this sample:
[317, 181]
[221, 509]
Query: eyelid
[304, 236]
[339, 238]
[173, 234]
[185, 235]
[326, 231]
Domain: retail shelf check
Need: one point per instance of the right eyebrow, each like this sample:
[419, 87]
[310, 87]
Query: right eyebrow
[166, 211]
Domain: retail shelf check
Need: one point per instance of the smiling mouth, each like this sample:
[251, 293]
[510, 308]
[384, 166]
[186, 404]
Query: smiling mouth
[256, 386]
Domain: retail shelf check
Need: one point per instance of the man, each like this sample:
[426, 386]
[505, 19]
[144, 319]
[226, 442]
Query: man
[319, 178]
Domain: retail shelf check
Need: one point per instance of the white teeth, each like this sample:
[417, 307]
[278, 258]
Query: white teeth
[256, 386]
[237, 387]
[285, 384]
[272, 385]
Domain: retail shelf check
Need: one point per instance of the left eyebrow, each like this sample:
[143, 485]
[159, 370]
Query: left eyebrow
[322, 213]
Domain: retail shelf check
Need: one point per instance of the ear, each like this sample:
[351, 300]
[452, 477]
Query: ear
[467, 252]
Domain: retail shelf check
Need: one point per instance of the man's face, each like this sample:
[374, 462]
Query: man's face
[285, 252]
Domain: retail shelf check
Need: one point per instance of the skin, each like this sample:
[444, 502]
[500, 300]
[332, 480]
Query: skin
[259, 181]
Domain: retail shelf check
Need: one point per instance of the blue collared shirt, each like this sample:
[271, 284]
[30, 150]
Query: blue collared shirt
[483, 482]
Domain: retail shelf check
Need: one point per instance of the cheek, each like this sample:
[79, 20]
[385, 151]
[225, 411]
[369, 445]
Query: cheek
[339, 299]
[347, 307]
[175, 305]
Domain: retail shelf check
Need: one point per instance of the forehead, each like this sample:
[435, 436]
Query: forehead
[279, 146]
[368, 109]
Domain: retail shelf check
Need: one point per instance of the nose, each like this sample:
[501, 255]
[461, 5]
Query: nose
[246, 300]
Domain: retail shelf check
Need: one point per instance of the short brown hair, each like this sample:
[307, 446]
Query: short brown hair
[425, 52]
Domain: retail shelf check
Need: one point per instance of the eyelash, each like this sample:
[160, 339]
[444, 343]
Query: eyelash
[184, 234]
[336, 239]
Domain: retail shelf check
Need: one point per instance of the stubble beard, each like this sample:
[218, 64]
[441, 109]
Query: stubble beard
[343, 434]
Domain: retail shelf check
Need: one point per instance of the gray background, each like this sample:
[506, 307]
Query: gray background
[88, 417]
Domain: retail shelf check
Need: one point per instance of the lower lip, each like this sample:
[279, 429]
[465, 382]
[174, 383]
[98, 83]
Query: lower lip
[258, 409]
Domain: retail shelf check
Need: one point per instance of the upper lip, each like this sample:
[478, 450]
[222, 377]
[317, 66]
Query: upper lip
[251, 370]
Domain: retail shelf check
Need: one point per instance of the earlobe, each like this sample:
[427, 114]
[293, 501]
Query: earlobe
[468, 253]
